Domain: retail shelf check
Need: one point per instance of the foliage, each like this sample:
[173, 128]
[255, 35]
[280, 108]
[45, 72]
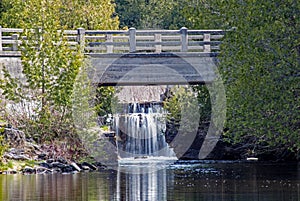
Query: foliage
[182, 102]
[260, 66]
[5, 166]
[50, 67]
[29, 163]
[169, 14]
[146, 14]
[104, 98]
[91, 14]
[259, 61]
[63, 148]
[84, 114]
[105, 128]
[204, 102]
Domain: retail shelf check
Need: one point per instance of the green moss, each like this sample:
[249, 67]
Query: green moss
[105, 128]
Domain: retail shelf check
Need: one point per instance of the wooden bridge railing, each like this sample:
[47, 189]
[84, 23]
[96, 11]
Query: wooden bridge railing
[127, 41]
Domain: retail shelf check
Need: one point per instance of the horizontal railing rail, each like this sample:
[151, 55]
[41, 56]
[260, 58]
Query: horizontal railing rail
[127, 41]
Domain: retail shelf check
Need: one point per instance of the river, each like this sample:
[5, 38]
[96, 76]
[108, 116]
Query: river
[183, 180]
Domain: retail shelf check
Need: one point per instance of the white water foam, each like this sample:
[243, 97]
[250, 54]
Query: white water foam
[142, 130]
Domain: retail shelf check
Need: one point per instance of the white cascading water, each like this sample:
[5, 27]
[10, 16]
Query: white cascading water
[141, 128]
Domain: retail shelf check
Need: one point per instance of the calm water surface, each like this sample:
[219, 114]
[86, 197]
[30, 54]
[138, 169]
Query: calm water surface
[181, 181]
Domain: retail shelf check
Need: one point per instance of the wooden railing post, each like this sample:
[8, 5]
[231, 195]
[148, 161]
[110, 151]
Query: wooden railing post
[109, 48]
[15, 44]
[132, 40]
[81, 38]
[157, 38]
[206, 39]
[1, 49]
[184, 39]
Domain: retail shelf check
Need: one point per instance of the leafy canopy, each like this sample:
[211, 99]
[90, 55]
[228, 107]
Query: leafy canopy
[259, 60]
[49, 65]
[260, 66]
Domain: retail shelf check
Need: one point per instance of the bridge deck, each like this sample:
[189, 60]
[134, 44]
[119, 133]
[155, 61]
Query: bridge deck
[137, 57]
[153, 69]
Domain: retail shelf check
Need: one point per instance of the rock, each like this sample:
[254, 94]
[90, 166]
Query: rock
[100, 165]
[58, 165]
[190, 154]
[68, 169]
[28, 170]
[51, 160]
[46, 165]
[75, 166]
[16, 157]
[32, 146]
[22, 157]
[9, 172]
[91, 166]
[42, 156]
[43, 170]
[62, 160]
[252, 159]
[56, 170]
[3, 124]
[34, 150]
[16, 151]
[7, 155]
[85, 168]
[15, 137]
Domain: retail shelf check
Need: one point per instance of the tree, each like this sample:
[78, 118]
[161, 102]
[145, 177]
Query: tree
[147, 14]
[169, 14]
[259, 62]
[49, 65]
[68, 14]
[260, 66]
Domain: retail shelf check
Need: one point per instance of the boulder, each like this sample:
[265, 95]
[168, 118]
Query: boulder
[90, 166]
[58, 165]
[46, 165]
[75, 166]
[68, 169]
[28, 170]
[14, 137]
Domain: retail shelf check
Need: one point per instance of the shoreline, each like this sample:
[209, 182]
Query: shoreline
[60, 166]
[23, 156]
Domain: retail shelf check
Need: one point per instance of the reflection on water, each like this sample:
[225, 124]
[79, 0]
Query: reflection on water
[143, 182]
[192, 181]
[86, 186]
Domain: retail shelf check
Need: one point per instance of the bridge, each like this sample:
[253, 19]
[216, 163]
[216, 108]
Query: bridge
[134, 57]
[143, 57]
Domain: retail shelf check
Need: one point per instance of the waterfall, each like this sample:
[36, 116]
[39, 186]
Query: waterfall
[140, 131]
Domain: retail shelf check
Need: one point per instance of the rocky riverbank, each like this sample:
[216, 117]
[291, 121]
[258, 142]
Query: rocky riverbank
[24, 156]
[34, 161]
